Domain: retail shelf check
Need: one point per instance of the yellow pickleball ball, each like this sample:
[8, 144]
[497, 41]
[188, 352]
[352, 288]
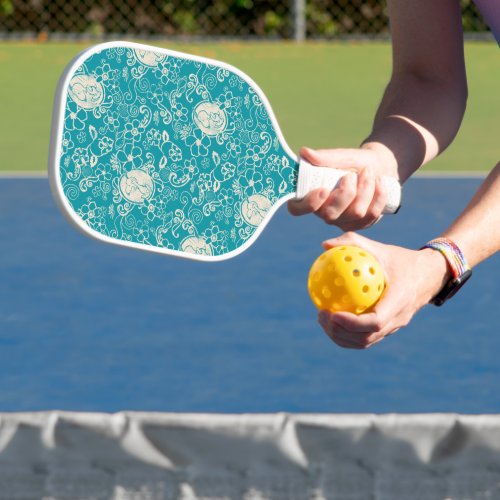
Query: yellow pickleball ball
[346, 278]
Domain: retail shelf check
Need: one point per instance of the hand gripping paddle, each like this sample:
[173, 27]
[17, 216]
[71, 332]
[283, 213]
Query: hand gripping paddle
[172, 153]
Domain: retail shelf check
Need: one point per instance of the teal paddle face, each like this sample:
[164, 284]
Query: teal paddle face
[167, 152]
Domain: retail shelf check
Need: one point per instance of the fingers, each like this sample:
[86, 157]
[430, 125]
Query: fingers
[365, 191]
[336, 158]
[351, 201]
[370, 202]
[355, 332]
[368, 323]
[409, 284]
[340, 198]
[366, 207]
[347, 158]
[351, 238]
[356, 202]
[310, 203]
[379, 200]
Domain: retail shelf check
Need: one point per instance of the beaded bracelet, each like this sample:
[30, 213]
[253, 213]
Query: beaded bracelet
[452, 254]
[459, 267]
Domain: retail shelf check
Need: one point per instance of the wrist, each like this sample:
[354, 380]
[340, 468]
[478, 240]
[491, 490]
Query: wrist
[458, 268]
[388, 165]
[437, 273]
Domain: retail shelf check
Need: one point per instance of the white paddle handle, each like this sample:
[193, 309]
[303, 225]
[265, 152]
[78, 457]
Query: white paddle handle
[312, 177]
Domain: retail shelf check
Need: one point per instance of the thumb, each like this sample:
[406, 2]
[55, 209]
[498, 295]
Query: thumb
[353, 159]
[349, 238]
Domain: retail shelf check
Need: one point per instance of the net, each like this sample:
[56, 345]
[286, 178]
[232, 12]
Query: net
[159, 456]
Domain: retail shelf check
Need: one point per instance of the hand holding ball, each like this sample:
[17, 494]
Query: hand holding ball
[346, 278]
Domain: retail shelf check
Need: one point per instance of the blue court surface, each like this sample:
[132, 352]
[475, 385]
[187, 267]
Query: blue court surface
[92, 327]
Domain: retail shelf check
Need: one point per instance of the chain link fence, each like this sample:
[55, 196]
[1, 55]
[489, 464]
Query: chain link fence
[287, 19]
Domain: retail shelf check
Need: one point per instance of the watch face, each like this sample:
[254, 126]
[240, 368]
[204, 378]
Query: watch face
[451, 288]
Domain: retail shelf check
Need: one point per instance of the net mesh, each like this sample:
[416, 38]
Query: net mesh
[155, 456]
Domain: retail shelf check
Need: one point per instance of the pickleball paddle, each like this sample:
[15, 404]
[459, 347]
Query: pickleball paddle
[172, 153]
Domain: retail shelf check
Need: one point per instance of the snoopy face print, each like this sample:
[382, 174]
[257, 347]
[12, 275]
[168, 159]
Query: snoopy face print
[210, 118]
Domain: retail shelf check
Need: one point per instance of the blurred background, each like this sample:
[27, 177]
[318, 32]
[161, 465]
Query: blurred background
[324, 89]
[283, 19]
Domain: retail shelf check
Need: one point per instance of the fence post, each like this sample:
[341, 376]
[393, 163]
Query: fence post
[299, 20]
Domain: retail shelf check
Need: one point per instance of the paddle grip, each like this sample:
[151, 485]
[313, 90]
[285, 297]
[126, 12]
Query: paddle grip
[313, 177]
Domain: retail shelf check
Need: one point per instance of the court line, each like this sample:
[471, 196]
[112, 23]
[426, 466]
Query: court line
[452, 174]
[40, 174]
[459, 174]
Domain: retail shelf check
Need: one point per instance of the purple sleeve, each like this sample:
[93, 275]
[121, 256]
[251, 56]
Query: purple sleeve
[490, 9]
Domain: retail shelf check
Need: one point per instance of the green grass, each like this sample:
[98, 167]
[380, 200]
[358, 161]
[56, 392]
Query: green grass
[324, 95]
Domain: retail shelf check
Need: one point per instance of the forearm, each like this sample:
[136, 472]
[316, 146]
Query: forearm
[424, 103]
[477, 230]
[416, 121]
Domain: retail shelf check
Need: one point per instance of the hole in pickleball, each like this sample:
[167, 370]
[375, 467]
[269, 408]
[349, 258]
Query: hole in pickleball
[336, 306]
[366, 289]
[317, 276]
[327, 293]
[363, 254]
[356, 273]
[359, 309]
[339, 281]
[348, 258]
[379, 288]
[372, 270]
[317, 301]
[346, 299]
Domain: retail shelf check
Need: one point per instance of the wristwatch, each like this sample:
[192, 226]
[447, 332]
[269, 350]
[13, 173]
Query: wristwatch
[460, 270]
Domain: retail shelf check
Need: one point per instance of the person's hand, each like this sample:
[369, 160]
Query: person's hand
[359, 199]
[413, 278]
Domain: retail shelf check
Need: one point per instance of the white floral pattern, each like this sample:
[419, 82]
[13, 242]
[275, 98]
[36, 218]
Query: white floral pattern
[170, 152]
